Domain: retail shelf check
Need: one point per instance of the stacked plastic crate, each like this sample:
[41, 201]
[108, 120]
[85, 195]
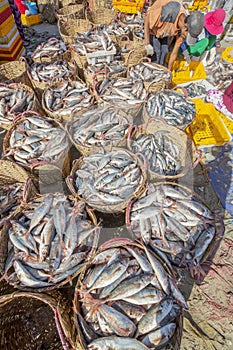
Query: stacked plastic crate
[11, 45]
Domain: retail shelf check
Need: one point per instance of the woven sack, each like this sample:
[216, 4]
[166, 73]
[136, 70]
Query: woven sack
[76, 11]
[69, 28]
[35, 105]
[83, 149]
[32, 321]
[121, 242]
[114, 208]
[55, 116]
[189, 155]
[14, 72]
[41, 171]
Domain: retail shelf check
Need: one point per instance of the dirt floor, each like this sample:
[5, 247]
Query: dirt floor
[208, 323]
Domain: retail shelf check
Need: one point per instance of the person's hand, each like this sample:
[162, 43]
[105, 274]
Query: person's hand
[149, 50]
[187, 57]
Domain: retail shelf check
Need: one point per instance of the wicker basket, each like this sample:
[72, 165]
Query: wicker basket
[90, 77]
[35, 105]
[122, 243]
[63, 3]
[69, 28]
[138, 42]
[80, 60]
[32, 321]
[41, 171]
[114, 208]
[75, 11]
[78, 115]
[134, 56]
[14, 72]
[66, 56]
[55, 116]
[189, 156]
[101, 15]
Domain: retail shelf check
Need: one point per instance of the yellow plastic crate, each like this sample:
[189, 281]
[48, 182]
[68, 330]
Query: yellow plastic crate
[183, 73]
[228, 122]
[128, 6]
[207, 128]
[227, 54]
[30, 20]
[6, 26]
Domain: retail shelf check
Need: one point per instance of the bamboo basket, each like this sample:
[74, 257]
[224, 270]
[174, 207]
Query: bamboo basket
[134, 56]
[101, 15]
[102, 74]
[154, 86]
[69, 28]
[66, 56]
[114, 208]
[64, 117]
[122, 243]
[40, 86]
[35, 105]
[32, 321]
[78, 115]
[138, 42]
[44, 172]
[63, 3]
[15, 72]
[75, 11]
[80, 60]
[189, 155]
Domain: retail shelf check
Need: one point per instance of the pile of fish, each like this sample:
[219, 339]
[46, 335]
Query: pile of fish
[161, 153]
[109, 69]
[115, 28]
[221, 75]
[128, 300]
[49, 242]
[109, 180]
[10, 196]
[14, 99]
[139, 33]
[174, 221]
[51, 48]
[34, 139]
[150, 72]
[117, 90]
[171, 106]
[92, 43]
[50, 72]
[99, 126]
[134, 20]
[60, 100]
[195, 89]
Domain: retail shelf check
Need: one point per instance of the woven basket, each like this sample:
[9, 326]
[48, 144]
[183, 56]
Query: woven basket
[189, 156]
[114, 208]
[155, 86]
[134, 56]
[32, 321]
[120, 242]
[39, 86]
[69, 28]
[14, 72]
[80, 60]
[66, 56]
[63, 3]
[35, 105]
[41, 171]
[90, 77]
[101, 15]
[78, 115]
[138, 42]
[55, 116]
[76, 11]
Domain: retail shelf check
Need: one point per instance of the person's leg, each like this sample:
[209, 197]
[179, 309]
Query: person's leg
[164, 51]
[155, 42]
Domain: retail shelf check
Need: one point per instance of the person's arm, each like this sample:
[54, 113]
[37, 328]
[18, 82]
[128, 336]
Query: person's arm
[147, 30]
[183, 33]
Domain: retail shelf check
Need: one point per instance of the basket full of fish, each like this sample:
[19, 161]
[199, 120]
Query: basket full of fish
[168, 152]
[51, 50]
[127, 299]
[42, 74]
[50, 239]
[108, 179]
[61, 98]
[170, 106]
[195, 88]
[155, 77]
[70, 28]
[15, 98]
[176, 222]
[129, 93]
[39, 145]
[98, 127]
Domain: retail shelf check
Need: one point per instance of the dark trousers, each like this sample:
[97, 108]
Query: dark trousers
[160, 49]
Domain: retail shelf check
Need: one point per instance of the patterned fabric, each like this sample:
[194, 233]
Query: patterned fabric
[216, 97]
[17, 16]
[221, 176]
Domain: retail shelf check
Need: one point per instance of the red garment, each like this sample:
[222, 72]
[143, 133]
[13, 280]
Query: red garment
[228, 98]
